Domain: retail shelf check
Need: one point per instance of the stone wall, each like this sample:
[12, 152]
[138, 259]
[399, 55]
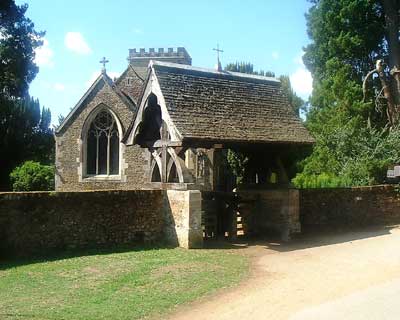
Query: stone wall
[70, 175]
[275, 211]
[40, 222]
[344, 208]
[183, 218]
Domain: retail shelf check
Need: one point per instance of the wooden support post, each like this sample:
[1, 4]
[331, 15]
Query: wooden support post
[282, 175]
[164, 164]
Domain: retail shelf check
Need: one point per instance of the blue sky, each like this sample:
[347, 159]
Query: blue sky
[270, 34]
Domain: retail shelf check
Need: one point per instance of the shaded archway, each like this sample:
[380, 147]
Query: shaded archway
[149, 130]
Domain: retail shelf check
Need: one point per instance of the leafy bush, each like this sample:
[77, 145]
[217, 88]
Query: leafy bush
[323, 180]
[349, 153]
[237, 161]
[32, 176]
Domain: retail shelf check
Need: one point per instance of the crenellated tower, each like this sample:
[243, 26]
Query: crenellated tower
[141, 57]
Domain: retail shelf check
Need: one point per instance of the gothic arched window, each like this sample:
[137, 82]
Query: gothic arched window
[102, 146]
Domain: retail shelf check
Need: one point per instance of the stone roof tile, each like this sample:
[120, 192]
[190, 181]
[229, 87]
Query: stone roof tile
[228, 106]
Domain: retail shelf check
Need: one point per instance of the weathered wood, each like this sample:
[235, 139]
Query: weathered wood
[164, 164]
[161, 143]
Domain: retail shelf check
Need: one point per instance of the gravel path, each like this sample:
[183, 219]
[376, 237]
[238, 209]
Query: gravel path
[351, 276]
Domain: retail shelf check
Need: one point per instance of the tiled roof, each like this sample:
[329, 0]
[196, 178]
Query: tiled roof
[228, 106]
[137, 77]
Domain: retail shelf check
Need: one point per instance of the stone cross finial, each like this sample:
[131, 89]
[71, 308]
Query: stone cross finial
[219, 67]
[103, 62]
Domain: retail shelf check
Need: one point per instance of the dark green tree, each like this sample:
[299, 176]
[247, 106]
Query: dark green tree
[24, 127]
[247, 67]
[18, 42]
[348, 38]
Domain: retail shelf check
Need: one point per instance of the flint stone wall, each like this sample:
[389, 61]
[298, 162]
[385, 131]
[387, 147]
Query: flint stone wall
[349, 208]
[40, 222]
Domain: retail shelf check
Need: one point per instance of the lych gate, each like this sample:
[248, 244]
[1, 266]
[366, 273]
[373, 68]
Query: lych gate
[189, 131]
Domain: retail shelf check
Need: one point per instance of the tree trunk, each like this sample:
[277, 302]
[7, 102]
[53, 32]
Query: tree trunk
[391, 110]
[391, 9]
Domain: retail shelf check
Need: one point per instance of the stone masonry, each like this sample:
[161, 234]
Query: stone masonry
[34, 223]
[349, 208]
[69, 148]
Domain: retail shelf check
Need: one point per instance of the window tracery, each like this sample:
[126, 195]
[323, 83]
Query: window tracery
[103, 145]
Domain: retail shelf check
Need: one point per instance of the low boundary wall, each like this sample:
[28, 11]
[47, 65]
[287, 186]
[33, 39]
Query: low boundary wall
[349, 208]
[39, 222]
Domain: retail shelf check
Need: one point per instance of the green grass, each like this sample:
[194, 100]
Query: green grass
[123, 285]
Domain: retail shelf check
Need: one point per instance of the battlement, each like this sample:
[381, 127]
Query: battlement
[141, 57]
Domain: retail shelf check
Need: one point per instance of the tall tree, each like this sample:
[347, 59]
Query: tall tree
[389, 74]
[24, 129]
[348, 38]
[18, 40]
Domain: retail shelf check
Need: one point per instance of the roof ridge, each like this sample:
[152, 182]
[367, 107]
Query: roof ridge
[212, 71]
[130, 65]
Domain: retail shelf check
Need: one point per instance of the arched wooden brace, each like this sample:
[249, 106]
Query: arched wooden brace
[174, 159]
[156, 159]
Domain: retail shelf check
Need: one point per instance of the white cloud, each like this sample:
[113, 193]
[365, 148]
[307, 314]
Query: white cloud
[59, 87]
[275, 55]
[75, 42]
[95, 75]
[301, 80]
[44, 55]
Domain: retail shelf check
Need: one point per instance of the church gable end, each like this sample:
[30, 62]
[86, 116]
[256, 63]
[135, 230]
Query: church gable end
[111, 163]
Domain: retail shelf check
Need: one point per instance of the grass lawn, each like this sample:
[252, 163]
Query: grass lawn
[119, 285]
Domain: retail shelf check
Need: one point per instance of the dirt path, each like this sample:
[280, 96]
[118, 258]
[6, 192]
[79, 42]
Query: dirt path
[293, 281]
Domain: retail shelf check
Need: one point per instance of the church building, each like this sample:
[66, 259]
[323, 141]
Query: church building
[165, 124]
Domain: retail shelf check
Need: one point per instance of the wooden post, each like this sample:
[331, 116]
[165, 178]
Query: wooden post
[164, 164]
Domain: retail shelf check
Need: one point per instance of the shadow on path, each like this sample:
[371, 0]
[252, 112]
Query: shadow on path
[310, 239]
